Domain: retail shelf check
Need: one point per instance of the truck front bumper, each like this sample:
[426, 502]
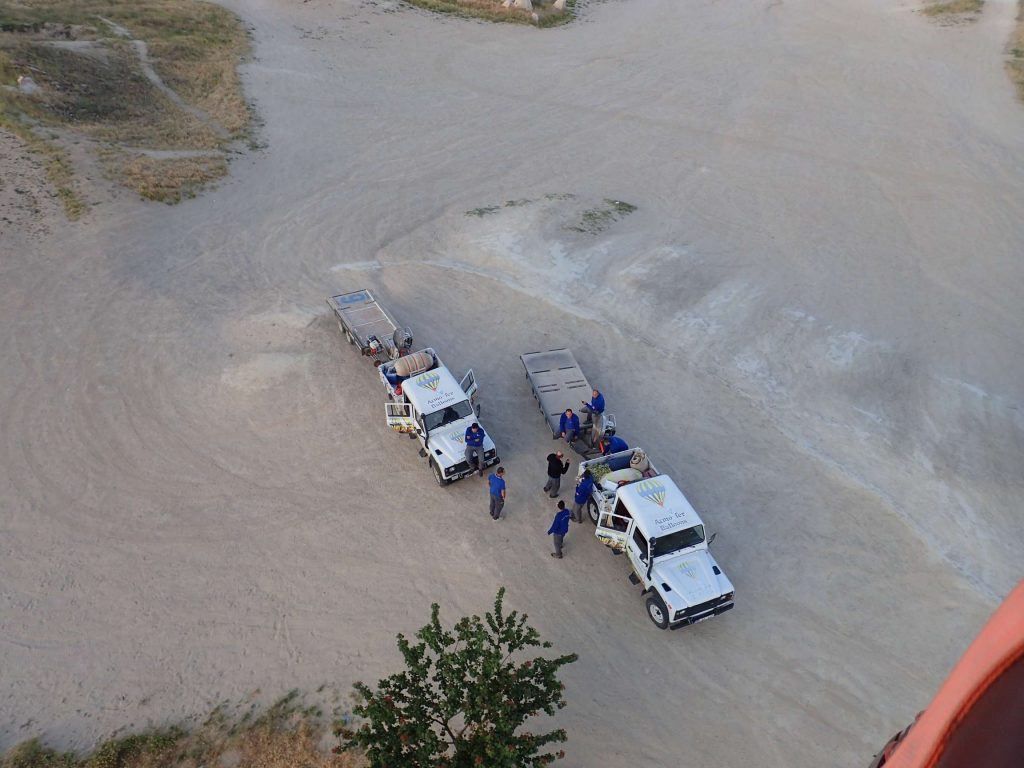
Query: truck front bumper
[462, 469]
[696, 618]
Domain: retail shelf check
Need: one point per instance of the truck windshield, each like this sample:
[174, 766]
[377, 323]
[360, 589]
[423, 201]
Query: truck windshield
[447, 415]
[688, 537]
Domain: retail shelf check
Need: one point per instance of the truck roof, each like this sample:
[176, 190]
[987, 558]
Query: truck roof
[433, 390]
[658, 506]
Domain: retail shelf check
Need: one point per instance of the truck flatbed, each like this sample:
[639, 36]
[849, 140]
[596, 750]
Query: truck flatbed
[557, 382]
[367, 324]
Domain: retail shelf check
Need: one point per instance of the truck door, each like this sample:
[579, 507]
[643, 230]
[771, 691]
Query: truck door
[636, 549]
[399, 416]
[612, 525]
[469, 386]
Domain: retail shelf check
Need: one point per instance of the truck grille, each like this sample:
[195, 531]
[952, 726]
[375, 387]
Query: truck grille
[696, 610]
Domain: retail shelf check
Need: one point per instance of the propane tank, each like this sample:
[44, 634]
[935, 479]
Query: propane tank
[416, 363]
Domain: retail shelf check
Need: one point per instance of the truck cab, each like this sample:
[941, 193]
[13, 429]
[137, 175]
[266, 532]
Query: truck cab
[651, 521]
[436, 409]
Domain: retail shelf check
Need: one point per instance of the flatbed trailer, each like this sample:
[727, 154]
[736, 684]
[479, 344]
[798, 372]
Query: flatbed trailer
[558, 383]
[369, 326]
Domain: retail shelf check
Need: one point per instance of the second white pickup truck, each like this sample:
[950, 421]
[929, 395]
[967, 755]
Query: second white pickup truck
[644, 514]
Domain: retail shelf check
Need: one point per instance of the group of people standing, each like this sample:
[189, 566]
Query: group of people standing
[557, 466]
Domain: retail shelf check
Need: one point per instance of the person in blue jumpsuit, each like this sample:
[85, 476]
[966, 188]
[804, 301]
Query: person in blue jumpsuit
[614, 444]
[596, 410]
[559, 527]
[496, 492]
[579, 500]
[569, 425]
[475, 447]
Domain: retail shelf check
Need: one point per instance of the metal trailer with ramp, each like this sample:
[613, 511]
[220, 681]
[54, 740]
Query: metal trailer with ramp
[369, 326]
[558, 383]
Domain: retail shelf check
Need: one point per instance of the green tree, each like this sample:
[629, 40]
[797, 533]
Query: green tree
[464, 697]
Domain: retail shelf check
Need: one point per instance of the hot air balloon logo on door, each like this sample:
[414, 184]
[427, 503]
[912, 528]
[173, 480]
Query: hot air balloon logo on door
[652, 490]
[430, 381]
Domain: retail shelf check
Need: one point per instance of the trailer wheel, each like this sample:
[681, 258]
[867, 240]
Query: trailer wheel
[438, 474]
[656, 611]
[592, 511]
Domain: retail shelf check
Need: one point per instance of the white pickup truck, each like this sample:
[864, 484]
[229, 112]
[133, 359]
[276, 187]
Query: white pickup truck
[644, 514]
[429, 404]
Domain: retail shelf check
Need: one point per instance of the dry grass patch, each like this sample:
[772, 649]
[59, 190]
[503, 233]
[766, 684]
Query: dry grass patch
[166, 180]
[1015, 51]
[91, 81]
[954, 8]
[492, 10]
[99, 92]
[287, 736]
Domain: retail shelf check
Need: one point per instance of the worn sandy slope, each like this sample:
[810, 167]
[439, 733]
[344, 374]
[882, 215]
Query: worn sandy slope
[812, 321]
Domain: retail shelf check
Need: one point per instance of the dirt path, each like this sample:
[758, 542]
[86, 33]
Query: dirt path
[27, 203]
[142, 51]
[812, 320]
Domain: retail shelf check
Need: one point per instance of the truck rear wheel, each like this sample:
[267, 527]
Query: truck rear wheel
[657, 611]
[438, 474]
[592, 511]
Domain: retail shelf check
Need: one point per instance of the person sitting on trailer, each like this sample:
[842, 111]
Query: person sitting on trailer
[569, 425]
[596, 410]
[475, 448]
[613, 444]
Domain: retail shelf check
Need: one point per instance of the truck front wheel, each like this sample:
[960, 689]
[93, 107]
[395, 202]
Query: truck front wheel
[657, 611]
[438, 474]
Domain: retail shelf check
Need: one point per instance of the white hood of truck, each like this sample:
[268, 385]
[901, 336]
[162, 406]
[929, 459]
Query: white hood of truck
[691, 578]
[451, 441]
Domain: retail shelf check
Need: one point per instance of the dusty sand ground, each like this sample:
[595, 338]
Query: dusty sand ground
[813, 321]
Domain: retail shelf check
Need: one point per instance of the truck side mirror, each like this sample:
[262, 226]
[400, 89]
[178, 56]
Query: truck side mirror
[712, 538]
[477, 409]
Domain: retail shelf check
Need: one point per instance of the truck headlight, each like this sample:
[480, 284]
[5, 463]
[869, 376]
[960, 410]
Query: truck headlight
[448, 471]
[728, 596]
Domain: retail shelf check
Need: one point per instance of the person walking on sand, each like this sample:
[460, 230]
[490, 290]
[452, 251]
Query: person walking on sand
[496, 491]
[583, 489]
[555, 471]
[569, 425]
[559, 527]
[475, 448]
